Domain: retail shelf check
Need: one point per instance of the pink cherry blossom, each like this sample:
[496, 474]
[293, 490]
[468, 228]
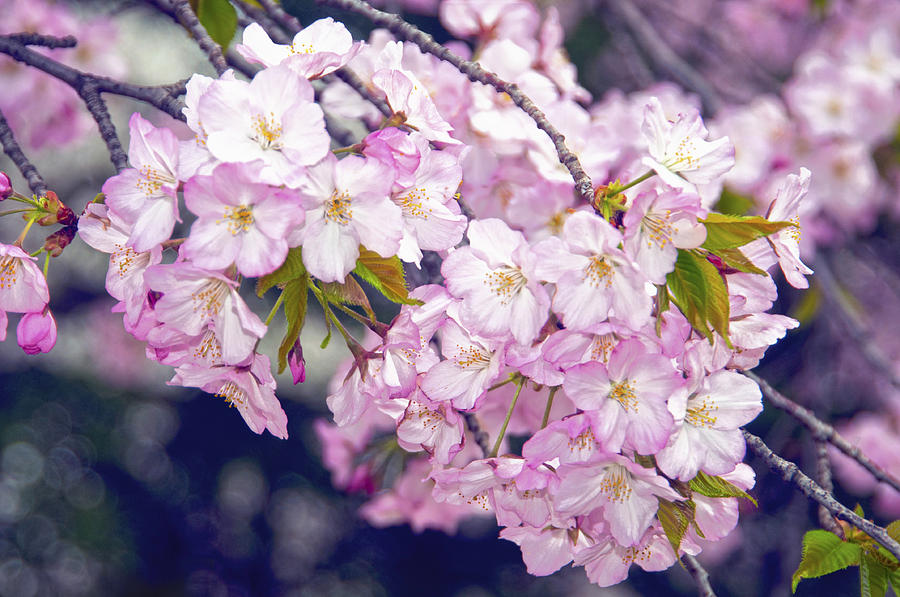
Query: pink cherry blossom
[23, 288]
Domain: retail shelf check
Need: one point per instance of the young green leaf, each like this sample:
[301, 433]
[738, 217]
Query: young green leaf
[675, 518]
[295, 296]
[385, 275]
[733, 203]
[718, 487]
[824, 553]
[219, 18]
[291, 269]
[873, 577]
[700, 293]
[734, 259]
[727, 231]
[348, 293]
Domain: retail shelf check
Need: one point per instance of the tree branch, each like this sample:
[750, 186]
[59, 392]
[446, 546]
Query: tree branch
[823, 472]
[663, 56]
[699, 574]
[97, 107]
[475, 73]
[163, 97]
[481, 436]
[14, 151]
[46, 41]
[181, 11]
[821, 430]
[792, 474]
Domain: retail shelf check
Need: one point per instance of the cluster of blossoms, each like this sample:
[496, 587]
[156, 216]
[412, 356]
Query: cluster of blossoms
[43, 111]
[608, 337]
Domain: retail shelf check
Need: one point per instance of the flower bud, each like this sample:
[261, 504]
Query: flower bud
[297, 363]
[36, 332]
[59, 213]
[59, 240]
[5, 186]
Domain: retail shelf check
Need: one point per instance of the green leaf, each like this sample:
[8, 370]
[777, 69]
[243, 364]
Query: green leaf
[291, 269]
[348, 293]
[733, 203]
[718, 487]
[295, 295]
[700, 292]
[385, 275]
[675, 518]
[662, 305]
[727, 231]
[893, 530]
[824, 553]
[894, 578]
[873, 577]
[219, 18]
[734, 259]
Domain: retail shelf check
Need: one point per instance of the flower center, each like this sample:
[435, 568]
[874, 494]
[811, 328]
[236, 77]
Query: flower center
[209, 349]
[232, 394]
[683, 156]
[658, 229]
[616, 484]
[238, 219]
[209, 299]
[471, 357]
[150, 180]
[411, 204]
[126, 259]
[267, 131]
[701, 413]
[9, 272]
[599, 272]
[623, 393]
[505, 282]
[339, 208]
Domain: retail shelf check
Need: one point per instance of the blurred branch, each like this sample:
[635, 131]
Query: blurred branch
[181, 11]
[792, 474]
[481, 436]
[259, 15]
[821, 430]
[475, 73]
[288, 21]
[699, 574]
[663, 56]
[163, 97]
[836, 298]
[14, 151]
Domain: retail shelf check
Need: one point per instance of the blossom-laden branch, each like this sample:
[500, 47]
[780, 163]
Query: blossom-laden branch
[163, 97]
[663, 56]
[699, 574]
[477, 74]
[11, 148]
[791, 473]
[181, 11]
[821, 430]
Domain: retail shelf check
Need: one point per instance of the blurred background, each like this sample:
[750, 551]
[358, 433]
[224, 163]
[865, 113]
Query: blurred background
[113, 483]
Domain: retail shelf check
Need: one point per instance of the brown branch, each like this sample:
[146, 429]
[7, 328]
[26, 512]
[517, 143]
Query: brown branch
[14, 151]
[163, 97]
[46, 41]
[288, 21]
[181, 11]
[258, 15]
[350, 78]
[481, 436]
[662, 55]
[97, 107]
[792, 474]
[822, 431]
[699, 574]
[823, 472]
[475, 73]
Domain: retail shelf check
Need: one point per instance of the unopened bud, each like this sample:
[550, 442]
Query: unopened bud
[36, 332]
[5, 186]
[53, 206]
[297, 363]
[59, 240]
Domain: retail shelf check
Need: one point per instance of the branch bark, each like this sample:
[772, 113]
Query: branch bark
[14, 151]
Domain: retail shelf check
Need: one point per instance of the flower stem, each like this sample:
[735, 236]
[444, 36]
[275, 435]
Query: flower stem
[13, 211]
[546, 418]
[634, 182]
[519, 384]
[25, 230]
[275, 308]
[46, 264]
[500, 384]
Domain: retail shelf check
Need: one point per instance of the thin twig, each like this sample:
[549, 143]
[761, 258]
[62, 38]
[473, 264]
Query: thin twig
[475, 73]
[823, 472]
[289, 21]
[11, 148]
[352, 79]
[792, 474]
[481, 436]
[46, 41]
[699, 574]
[259, 15]
[163, 97]
[97, 107]
[663, 56]
[834, 296]
[181, 11]
[821, 430]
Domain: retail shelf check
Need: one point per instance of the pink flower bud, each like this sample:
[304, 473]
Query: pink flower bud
[36, 332]
[5, 186]
[297, 363]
